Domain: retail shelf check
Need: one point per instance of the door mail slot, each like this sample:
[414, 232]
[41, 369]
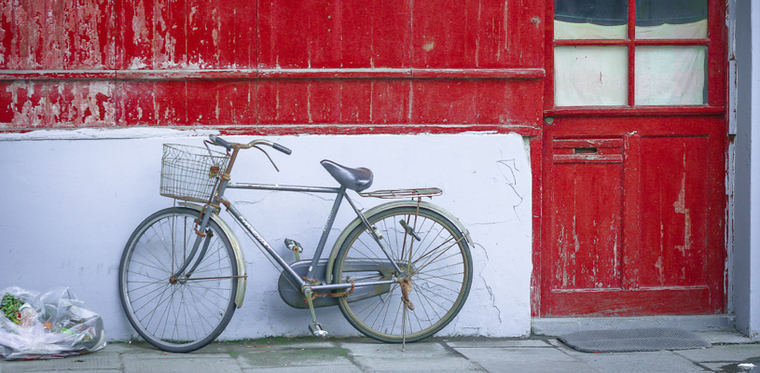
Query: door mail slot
[585, 150]
[588, 150]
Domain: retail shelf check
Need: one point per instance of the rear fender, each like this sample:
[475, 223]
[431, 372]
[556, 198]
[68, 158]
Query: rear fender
[389, 205]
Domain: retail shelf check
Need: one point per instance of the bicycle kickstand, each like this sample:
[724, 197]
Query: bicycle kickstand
[315, 328]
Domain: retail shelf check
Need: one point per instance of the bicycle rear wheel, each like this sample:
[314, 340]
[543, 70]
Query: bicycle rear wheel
[439, 264]
[182, 315]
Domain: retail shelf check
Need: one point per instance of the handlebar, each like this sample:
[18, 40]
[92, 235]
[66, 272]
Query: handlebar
[216, 140]
[281, 148]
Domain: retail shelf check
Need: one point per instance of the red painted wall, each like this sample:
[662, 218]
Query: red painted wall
[254, 66]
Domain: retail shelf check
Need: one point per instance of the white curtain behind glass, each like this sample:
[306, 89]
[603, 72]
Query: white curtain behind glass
[665, 75]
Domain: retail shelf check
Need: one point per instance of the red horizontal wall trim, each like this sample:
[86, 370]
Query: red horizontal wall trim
[337, 129]
[249, 74]
[625, 111]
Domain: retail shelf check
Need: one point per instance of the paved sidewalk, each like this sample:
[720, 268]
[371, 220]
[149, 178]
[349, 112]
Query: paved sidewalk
[536, 354]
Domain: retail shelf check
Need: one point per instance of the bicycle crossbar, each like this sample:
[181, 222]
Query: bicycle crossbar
[284, 188]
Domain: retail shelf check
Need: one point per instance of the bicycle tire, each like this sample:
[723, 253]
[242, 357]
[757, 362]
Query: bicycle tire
[437, 294]
[185, 315]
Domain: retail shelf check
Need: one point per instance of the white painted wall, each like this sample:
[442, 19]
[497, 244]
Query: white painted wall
[754, 321]
[746, 250]
[73, 197]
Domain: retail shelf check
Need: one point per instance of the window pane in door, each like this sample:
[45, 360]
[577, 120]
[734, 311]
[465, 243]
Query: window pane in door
[671, 19]
[671, 75]
[590, 75]
[590, 19]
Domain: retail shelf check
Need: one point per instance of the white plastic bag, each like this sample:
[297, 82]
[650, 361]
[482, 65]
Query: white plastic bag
[48, 325]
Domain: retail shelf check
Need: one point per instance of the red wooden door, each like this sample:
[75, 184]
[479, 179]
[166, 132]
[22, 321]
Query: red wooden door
[633, 216]
[634, 166]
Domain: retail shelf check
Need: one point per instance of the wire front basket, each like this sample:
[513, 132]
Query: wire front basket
[190, 172]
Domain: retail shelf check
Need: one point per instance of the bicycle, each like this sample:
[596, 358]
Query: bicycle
[399, 272]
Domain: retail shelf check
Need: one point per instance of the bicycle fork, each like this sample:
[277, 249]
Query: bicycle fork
[201, 236]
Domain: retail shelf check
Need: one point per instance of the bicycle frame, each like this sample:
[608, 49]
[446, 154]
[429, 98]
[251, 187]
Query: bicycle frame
[340, 193]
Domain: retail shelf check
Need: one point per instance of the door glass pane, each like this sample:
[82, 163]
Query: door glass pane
[590, 75]
[671, 19]
[590, 19]
[671, 75]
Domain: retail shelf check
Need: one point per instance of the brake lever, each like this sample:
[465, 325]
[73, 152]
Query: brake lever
[268, 157]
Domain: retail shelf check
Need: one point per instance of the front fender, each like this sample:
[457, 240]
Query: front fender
[240, 294]
[371, 212]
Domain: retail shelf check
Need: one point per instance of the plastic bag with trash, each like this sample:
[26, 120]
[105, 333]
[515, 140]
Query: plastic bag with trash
[46, 326]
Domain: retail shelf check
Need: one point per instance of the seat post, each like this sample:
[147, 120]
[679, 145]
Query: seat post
[326, 231]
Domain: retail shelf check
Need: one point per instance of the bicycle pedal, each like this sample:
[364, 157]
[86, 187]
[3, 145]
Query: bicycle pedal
[295, 247]
[317, 330]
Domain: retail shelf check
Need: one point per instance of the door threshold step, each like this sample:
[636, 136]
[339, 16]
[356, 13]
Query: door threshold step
[556, 326]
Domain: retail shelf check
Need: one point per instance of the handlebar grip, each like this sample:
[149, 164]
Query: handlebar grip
[220, 141]
[281, 148]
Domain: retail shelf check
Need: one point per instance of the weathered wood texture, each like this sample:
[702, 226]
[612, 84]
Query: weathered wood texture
[254, 64]
[634, 216]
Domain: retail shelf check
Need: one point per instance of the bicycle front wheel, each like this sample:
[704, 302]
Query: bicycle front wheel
[178, 315]
[436, 257]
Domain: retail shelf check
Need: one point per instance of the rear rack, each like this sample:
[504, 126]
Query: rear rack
[403, 193]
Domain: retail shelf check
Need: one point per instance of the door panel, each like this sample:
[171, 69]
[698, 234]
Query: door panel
[633, 220]
[673, 212]
[587, 229]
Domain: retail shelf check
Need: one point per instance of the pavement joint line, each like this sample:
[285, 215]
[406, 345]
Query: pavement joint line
[350, 357]
[563, 348]
[121, 362]
[457, 353]
[706, 368]
[698, 364]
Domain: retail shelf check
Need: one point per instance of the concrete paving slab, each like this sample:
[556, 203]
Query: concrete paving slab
[565, 349]
[95, 361]
[724, 337]
[518, 354]
[418, 357]
[216, 363]
[316, 369]
[526, 359]
[84, 371]
[260, 345]
[639, 362]
[727, 353]
[180, 356]
[717, 367]
[295, 357]
[498, 343]
[361, 355]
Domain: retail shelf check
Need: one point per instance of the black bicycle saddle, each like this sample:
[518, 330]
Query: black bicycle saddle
[356, 179]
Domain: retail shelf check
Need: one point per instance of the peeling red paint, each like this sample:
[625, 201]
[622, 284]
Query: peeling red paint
[634, 221]
[59, 104]
[376, 69]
